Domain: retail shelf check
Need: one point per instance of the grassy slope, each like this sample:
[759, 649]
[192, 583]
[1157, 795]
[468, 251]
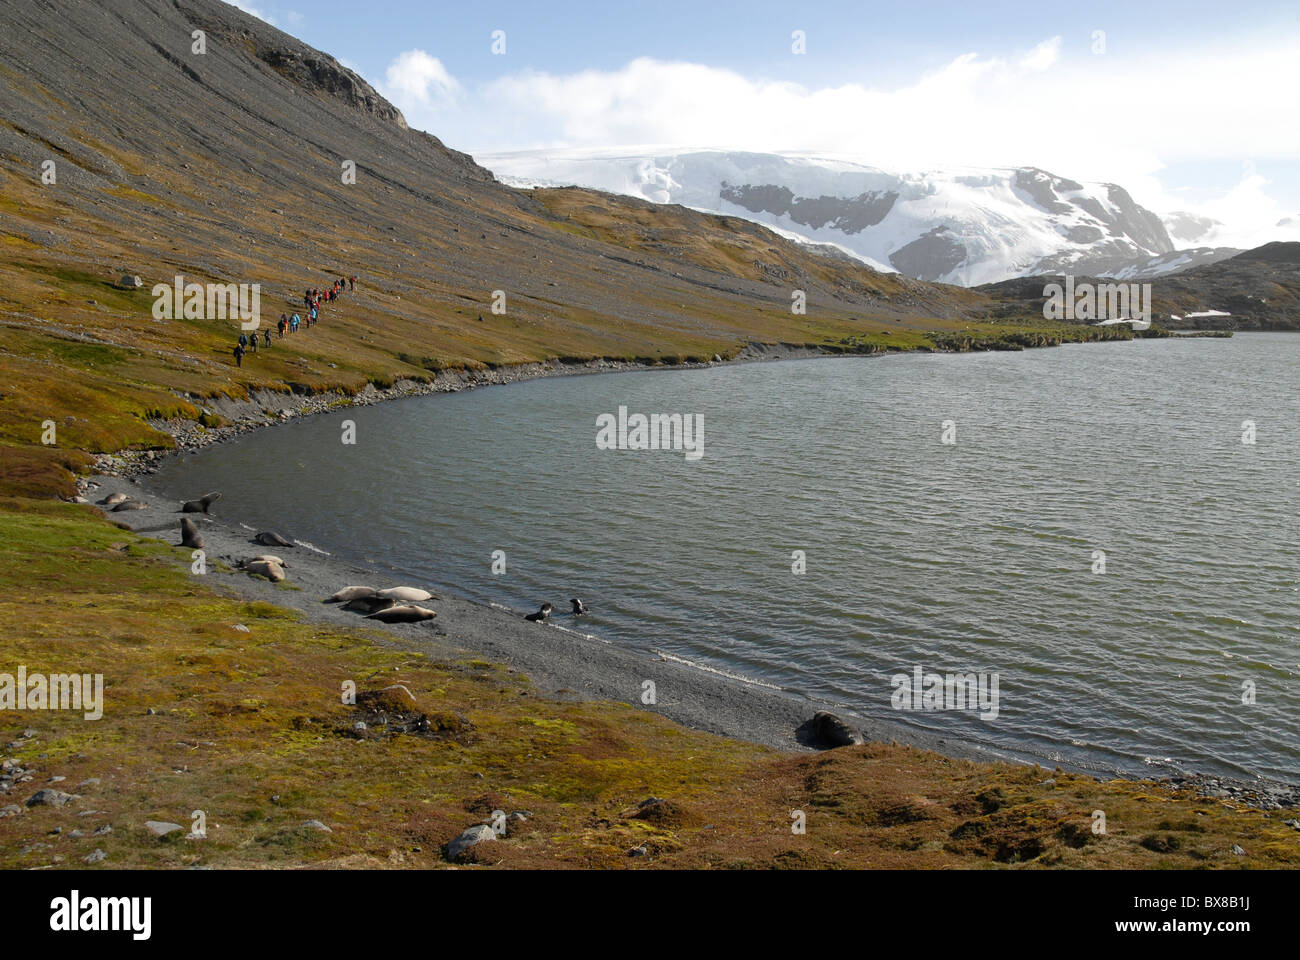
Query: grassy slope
[250, 728]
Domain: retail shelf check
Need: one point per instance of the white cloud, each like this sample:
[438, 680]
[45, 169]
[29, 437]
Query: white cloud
[1090, 117]
[1042, 56]
[416, 80]
[1249, 215]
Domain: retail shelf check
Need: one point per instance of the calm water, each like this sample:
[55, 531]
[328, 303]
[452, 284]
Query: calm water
[975, 556]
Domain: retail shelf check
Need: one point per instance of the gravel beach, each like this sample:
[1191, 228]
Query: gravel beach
[561, 657]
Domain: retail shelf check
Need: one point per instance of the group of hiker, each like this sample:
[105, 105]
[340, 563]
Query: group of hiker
[312, 300]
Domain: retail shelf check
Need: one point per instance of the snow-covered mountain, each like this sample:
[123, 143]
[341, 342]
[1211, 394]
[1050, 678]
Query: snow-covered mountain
[956, 226]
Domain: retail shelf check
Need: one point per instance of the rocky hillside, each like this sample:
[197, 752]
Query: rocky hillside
[1259, 288]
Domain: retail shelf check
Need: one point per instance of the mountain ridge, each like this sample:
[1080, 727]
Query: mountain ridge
[965, 226]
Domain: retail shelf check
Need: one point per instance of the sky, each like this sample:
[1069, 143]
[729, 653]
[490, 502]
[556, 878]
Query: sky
[1189, 106]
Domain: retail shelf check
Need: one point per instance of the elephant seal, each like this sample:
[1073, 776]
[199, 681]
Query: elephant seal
[828, 728]
[269, 559]
[369, 604]
[129, 505]
[262, 568]
[114, 498]
[269, 538]
[402, 614]
[578, 606]
[541, 615]
[352, 593]
[405, 594]
[190, 534]
[201, 505]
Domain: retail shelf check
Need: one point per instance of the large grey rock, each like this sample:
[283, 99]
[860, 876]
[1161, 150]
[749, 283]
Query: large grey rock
[160, 828]
[49, 798]
[470, 838]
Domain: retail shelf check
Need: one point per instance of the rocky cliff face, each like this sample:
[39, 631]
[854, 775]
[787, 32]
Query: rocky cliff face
[311, 70]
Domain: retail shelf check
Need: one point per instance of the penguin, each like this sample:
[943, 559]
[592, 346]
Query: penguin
[578, 607]
[541, 615]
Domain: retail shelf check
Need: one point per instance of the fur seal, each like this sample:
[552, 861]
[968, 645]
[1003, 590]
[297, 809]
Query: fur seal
[269, 538]
[369, 604]
[263, 568]
[114, 498]
[268, 558]
[403, 614]
[828, 728]
[190, 534]
[201, 505]
[541, 615]
[405, 594]
[129, 505]
[352, 593]
[578, 606]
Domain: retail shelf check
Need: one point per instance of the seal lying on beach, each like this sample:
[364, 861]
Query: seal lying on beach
[578, 606]
[828, 728]
[541, 615]
[369, 604]
[113, 498]
[405, 594]
[129, 505]
[269, 538]
[352, 593]
[269, 559]
[402, 614]
[262, 568]
[190, 534]
[201, 505]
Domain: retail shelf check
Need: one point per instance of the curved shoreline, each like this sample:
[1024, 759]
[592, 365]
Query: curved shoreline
[561, 662]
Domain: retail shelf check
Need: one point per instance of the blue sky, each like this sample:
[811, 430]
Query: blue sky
[1188, 105]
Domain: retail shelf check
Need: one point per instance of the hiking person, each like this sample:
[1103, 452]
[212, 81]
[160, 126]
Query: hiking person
[293, 323]
[252, 342]
[267, 332]
[313, 314]
[352, 283]
[284, 322]
[239, 354]
[243, 340]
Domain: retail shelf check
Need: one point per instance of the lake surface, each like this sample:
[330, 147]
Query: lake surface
[973, 556]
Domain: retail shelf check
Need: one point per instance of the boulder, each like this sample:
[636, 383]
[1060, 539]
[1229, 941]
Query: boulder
[160, 828]
[49, 798]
